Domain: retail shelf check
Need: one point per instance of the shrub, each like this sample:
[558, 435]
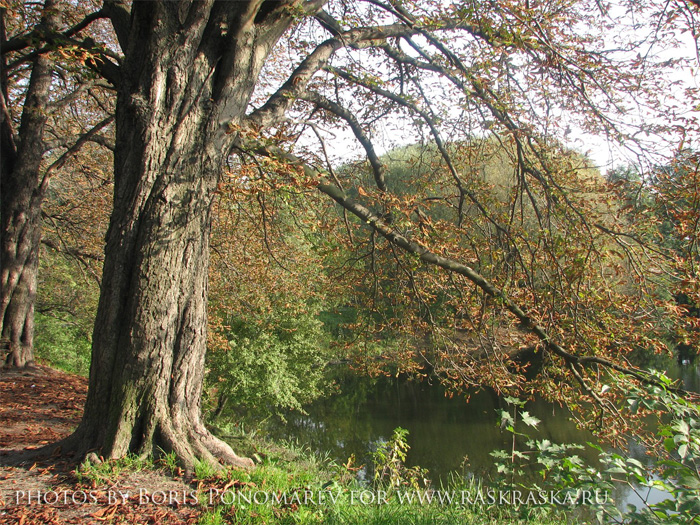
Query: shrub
[675, 471]
[270, 363]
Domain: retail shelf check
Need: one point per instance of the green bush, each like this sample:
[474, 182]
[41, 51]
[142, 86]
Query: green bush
[65, 312]
[272, 363]
[62, 344]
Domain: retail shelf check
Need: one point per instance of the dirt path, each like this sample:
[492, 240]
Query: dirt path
[41, 406]
[38, 406]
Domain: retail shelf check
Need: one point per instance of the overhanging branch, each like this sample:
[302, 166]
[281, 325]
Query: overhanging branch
[376, 223]
[21, 42]
[356, 127]
[277, 105]
[90, 135]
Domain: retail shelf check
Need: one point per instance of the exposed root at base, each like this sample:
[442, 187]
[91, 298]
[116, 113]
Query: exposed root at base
[198, 445]
[202, 445]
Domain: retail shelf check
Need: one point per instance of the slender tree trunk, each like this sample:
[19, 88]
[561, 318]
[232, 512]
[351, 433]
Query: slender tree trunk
[186, 81]
[21, 192]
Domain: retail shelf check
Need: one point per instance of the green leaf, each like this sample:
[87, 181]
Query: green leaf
[669, 444]
[506, 417]
[690, 480]
[529, 420]
[682, 427]
[514, 401]
[635, 462]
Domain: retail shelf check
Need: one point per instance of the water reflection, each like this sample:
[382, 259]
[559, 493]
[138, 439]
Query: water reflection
[446, 435]
[689, 375]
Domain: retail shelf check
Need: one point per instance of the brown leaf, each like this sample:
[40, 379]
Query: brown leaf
[105, 513]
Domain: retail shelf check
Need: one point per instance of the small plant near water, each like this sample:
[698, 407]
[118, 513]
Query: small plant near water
[390, 464]
[675, 476]
[678, 473]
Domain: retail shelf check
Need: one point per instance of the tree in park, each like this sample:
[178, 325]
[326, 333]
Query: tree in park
[34, 147]
[217, 92]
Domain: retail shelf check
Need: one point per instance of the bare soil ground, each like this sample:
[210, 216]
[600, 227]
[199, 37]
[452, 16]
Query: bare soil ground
[40, 406]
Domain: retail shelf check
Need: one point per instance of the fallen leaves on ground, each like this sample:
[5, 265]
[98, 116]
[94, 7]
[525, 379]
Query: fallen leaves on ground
[40, 406]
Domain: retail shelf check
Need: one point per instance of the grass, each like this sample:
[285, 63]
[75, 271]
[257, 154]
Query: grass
[97, 473]
[169, 461]
[204, 470]
[296, 486]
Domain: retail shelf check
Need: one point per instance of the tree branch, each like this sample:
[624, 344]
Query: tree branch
[377, 224]
[102, 141]
[119, 14]
[329, 23]
[7, 138]
[430, 121]
[356, 128]
[22, 42]
[100, 62]
[85, 137]
[277, 105]
[74, 252]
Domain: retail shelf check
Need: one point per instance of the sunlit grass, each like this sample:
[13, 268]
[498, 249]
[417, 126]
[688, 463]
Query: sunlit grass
[294, 485]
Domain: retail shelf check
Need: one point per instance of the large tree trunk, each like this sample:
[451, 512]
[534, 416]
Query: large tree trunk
[18, 321]
[186, 80]
[21, 192]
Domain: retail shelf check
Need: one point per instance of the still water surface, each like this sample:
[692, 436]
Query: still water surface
[445, 434]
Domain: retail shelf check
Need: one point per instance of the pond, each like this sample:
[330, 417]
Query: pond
[446, 434]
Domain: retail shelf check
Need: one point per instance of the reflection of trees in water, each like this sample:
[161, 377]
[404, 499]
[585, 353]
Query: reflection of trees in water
[688, 374]
[443, 431]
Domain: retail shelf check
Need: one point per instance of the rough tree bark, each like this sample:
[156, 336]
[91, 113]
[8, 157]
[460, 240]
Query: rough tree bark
[21, 193]
[188, 73]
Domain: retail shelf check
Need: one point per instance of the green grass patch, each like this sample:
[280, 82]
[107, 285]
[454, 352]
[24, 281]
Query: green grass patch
[294, 485]
[98, 472]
